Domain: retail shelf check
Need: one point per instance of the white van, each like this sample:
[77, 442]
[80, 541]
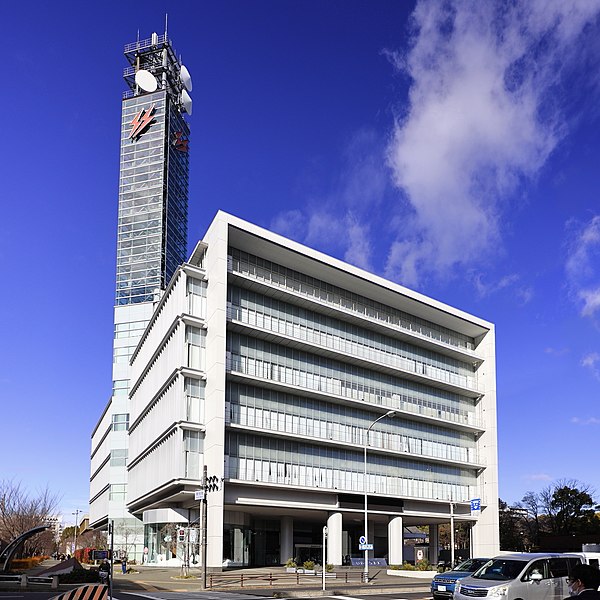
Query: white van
[589, 558]
[520, 576]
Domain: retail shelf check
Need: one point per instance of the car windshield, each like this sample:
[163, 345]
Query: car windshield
[471, 565]
[500, 569]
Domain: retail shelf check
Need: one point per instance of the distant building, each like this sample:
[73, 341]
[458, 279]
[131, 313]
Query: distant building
[56, 526]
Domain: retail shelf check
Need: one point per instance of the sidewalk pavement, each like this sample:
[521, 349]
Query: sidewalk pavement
[267, 581]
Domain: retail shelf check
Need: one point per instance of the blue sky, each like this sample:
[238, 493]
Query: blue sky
[452, 147]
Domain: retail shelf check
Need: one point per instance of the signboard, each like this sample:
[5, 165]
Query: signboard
[100, 554]
[199, 495]
[365, 546]
[476, 505]
[373, 562]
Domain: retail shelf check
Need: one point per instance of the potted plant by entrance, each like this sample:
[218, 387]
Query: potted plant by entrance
[290, 565]
[309, 567]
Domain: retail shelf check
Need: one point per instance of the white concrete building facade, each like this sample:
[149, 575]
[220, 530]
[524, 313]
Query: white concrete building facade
[267, 362]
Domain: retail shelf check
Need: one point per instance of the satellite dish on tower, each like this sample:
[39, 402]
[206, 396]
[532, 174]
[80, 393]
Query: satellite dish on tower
[186, 100]
[186, 78]
[145, 80]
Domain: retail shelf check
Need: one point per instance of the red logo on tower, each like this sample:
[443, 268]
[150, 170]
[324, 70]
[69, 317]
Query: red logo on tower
[182, 144]
[141, 122]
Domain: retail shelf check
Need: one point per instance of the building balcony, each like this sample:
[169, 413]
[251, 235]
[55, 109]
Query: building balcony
[272, 328]
[279, 286]
[275, 376]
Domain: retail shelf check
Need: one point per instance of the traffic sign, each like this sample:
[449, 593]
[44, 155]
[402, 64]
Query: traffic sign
[199, 495]
[362, 539]
[365, 546]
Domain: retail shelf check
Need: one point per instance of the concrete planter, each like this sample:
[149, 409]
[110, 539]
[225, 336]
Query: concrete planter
[290, 569]
[413, 574]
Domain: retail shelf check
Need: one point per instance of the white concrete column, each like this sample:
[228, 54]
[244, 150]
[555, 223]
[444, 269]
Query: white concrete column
[395, 540]
[434, 544]
[286, 539]
[334, 539]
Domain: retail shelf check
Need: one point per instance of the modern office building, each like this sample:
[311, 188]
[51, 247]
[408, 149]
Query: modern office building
[151, 244]
[277, 369]
[269, 363]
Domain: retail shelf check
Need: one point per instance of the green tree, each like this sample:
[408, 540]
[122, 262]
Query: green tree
[570, 508]
[513, 529]
[533, 518]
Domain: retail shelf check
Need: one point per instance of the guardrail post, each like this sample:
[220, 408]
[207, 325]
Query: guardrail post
[23, 581]
[270, 579]
[54, 584]
[210, 580]
[297, 578]
[242, 580]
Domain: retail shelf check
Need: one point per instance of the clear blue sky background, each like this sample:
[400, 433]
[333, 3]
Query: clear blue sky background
[454, 149]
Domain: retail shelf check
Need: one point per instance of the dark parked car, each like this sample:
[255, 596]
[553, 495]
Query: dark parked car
[442, 585]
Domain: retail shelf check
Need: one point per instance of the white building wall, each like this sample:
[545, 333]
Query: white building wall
[160, 415]
[170, 356]
[486, 535]
[158, 400]
[214, 444]
[99, 506]
[170, 306]
[164, 462]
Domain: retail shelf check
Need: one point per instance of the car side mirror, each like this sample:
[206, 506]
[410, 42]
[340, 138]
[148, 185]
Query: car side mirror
[535, 577]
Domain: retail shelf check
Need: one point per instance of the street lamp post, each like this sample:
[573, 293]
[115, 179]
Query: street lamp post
[389, 413]
[76, 513]
[451, 533]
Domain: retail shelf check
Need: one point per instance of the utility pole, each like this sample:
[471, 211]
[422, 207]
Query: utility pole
[325, 532]
[76, 513]
[209, 484]
[204, 511]
[451, 533]
[111, 533]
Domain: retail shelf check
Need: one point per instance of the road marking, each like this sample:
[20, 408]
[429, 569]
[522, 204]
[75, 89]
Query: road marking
[345, 597]
[207, 595]
[138, 594]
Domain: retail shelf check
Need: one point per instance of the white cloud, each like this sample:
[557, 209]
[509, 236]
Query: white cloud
[525, 294]
[486, 289]
[291, 224]
[591, 361]
[556, 351]
[538, 477]
[341, 220]
[582, 265]
[482, 116]
[588, 421]
[359, 247]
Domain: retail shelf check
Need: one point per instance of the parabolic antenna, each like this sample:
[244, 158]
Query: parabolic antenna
[186, 78]
[186, 101]
[145, 80]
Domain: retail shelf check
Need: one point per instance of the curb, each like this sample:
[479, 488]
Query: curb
[361, 591]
